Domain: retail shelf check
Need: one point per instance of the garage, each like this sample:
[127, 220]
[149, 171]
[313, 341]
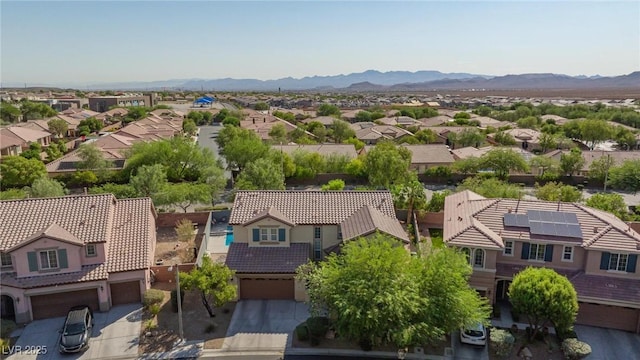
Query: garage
[614, 317]
[58, 304]
[125, 293]
[267, 289]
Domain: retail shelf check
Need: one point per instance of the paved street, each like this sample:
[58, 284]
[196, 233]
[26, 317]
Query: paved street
[608, 344]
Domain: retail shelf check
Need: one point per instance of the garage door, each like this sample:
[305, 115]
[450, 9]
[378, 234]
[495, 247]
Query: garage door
[52, 305]
[125, 293]
[266, 289]
[612, 317]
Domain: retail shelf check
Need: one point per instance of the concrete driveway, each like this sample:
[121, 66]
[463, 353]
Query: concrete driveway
[467, 352]
[115, 333]
[608, 344]
[264, 324]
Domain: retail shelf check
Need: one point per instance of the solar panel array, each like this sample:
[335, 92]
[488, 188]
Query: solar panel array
[548, 223]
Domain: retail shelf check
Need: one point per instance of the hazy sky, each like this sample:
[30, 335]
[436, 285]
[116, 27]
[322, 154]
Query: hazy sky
[57, 42]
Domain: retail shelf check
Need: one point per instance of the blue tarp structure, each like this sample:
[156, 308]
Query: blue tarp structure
[205, 100]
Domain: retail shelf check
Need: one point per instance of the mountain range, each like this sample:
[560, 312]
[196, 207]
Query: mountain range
[372, 80]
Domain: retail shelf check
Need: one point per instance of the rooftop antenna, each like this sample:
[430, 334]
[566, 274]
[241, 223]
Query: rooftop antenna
[517, 204]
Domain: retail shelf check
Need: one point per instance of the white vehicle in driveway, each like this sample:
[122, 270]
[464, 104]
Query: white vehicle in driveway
[474, 335]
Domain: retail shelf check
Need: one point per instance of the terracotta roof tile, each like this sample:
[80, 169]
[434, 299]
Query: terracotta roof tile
[53, 231]
[132, 233]
[86, 273]
[606, 287]
[367, 220]
[309, 207]
[273, 259]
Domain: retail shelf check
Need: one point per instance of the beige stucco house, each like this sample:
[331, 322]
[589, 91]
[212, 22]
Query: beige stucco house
[56, 253]
[595, 250]
[277, 231]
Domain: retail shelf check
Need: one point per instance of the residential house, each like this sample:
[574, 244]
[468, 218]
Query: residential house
[56, 253]
[589, 157]
[262, 123]
[277, 231]
[346, 150]
[424, 157]
[15, 139]
[327, 121]
[370, 133]
[104, 103]
[527, 139]
[596, 251]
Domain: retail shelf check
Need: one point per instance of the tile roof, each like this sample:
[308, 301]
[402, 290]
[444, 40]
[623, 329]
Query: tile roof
[309, 207]
[368, 220]
[272, 213]
[471, 219]
[26, 134]
[348, 150]
[126, 225]
[273, 259]
[87, 273]
[607, 287]
[430, 154]
[52, 231]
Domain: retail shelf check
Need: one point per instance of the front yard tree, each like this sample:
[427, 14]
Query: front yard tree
[91, 158]
[58, 127]
[387, 164]
[341, 131]
[377, 293]
[93, 124]
[212, 279]
[553, 191]
[261, 174]
[599, 168]
[611, 202]
[546, 297]
[19, 171]
[572, 161]
[626, 176]
[501, 161]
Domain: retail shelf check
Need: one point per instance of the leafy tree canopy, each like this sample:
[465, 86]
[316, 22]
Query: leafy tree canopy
[18, 171]
[212, 280]
[501, 161]
[610, 202]
[626, 176]
[261, 174]
[553, 191]
[45, 187]
[491, 187]
[387, 164]
[328, 110]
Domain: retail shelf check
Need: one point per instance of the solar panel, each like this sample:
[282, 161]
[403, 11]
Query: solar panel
[536, 227]
[509, 220]
[558, 217]
[575, 231]
[570, 218]
[518, 220]
[534, 215]
[522, 220]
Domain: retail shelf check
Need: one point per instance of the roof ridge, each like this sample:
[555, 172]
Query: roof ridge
[599, 235]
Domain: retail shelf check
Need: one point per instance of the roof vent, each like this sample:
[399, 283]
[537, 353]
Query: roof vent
[459, 218]
[612, 286]
[510, 210]
[595, 229]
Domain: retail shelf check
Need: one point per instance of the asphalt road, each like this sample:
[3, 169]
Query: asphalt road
[287, 357]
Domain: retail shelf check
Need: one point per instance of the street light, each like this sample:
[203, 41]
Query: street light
[179, 303]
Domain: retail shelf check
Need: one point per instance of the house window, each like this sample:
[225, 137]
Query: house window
[536, 252]
[478, 258]
[264, 234]
[5, 259]
[317, 249]
[90, 250]
[273, 234]
[317, 232]
[618, 262]
[48, 259]
[508, 248]
[567, 253]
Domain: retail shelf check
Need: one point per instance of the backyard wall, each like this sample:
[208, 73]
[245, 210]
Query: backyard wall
[170, 219]
[433, 220]
[162, 273]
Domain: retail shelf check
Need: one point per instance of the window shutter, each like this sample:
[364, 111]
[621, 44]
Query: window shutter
[62, 259]
[256, 234]
[548, 253]
[631, 264]
[33, 261]
[525, 251]
[604, 261]
[282, 234]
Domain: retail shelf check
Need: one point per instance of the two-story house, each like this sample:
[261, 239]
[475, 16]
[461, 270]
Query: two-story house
[277, 231]
[56, 253]
[595, 250]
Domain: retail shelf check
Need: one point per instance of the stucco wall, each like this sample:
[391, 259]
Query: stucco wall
[593, 267]
[21, 264]
[170, 219]
[578, 262]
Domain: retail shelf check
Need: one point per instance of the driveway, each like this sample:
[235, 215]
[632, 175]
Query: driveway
[264, 324]
[608, 344]
[467, 352]
[115, 333]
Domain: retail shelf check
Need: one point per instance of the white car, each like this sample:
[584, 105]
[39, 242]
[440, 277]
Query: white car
[474, 335]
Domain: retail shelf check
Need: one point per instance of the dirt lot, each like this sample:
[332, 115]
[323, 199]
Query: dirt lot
[169, 250]
[197, 324]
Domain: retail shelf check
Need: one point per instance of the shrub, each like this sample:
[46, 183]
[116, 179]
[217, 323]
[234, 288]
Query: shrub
[154, 309]
[174, 299]
[566, 334]
[318, 326]
[575, 349]
[152, 296]
[501, 342]
[302, 332]
[6, 328]
[149, 325]
[4, 346]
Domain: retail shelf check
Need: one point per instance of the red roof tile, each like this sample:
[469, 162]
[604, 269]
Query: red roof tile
[272, 260]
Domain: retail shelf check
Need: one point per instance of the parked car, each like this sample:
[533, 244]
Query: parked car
[474, 335]
[76, 332]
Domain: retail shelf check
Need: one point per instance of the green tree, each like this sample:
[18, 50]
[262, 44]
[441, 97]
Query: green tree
[571, 162]
[594, 131]
[501, 161]
[278, 134]
[212, 280]
[136, 113]
[425, 136]
[356, 168]
[185, 194]
[150, 181]
[363, 116]
[261, 106]
[341, 131]
[625, 138]
[547, 142]
[469, 165]
[335, 163]
[377, 293]
[470, 137]
[31, 111]
[317, 129]
[491, 187]
[197, 117]
[243, 148]
[528, 122]
[286, 162]
[462, 115]
[387, 164]
[610, 202]
[231, 121]
[599, 168]
[93, 124]
[308, 164]
[84, 178]
[189, 127]
[504, 139]
[13, 194]
[261, 174]
[9, 113]
[35, 149]
[328, 110]
[626, 176]
[334, 185]
[44, 187]
[18, 171]
[91, 158]
[553, 191]
[482, 110]
[58, 127]
[359, 144]
[549, 168]
[436, 203]
[120, 191]
[546, 297]
[409, 194]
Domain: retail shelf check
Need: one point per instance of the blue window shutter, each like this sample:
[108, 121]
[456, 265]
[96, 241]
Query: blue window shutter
[525, 251]
[604, 261]
[62, 259]
[631, 264]
[256, 234]
[282, 234]
[33, 261]
[548, 253]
